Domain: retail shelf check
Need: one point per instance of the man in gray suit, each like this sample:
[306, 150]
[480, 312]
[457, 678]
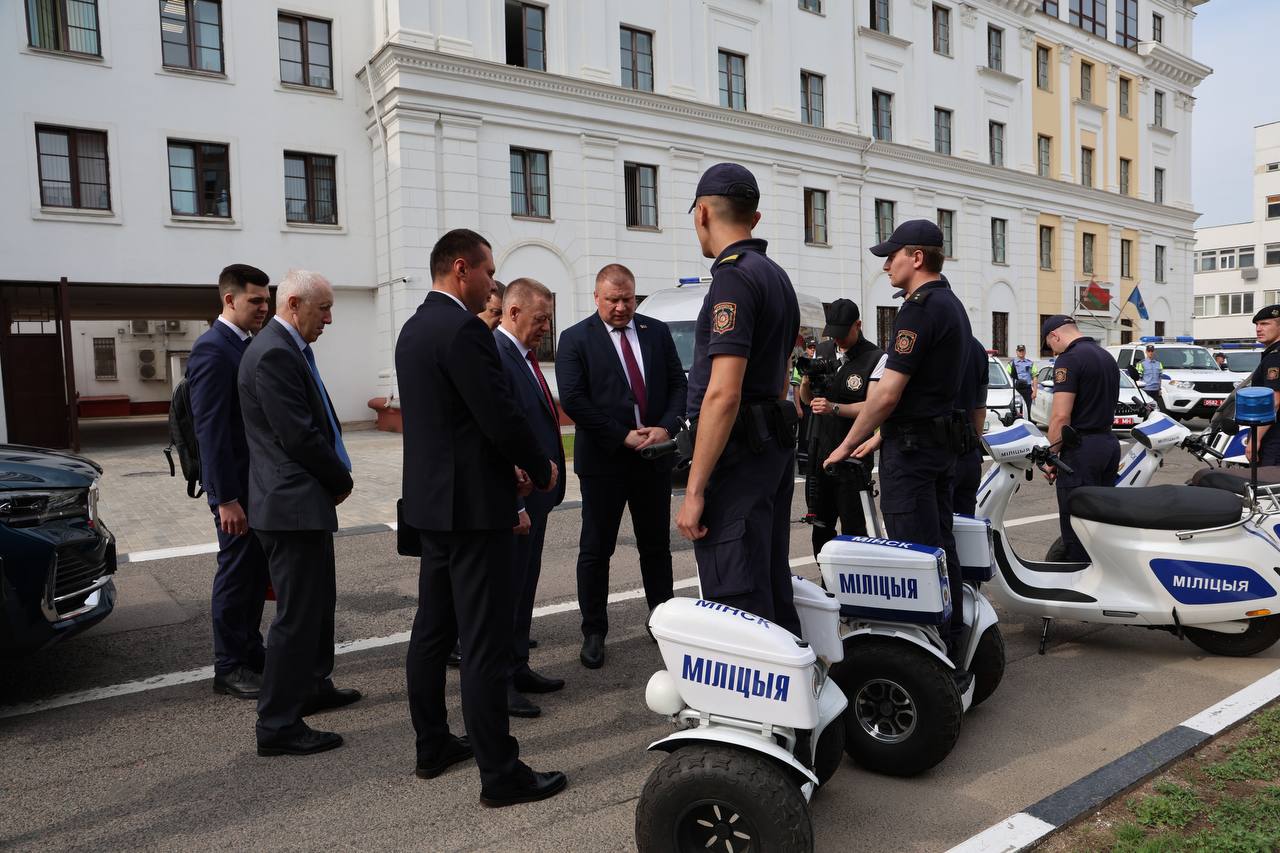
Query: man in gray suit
[299, 471]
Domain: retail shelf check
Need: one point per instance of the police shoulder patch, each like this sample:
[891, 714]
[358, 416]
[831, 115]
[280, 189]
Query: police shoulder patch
[905, 342]
[723, 317]
[1059, 374]
[1273, 373]
[854, 382]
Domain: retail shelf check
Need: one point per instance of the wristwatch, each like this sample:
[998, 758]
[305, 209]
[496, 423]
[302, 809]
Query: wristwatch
[835, 408]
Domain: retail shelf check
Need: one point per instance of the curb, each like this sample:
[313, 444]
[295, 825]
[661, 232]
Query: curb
[1095, 790]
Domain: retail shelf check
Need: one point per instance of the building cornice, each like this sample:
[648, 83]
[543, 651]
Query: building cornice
[1162, 60]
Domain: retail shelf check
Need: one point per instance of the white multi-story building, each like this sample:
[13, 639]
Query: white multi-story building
[1051, 140]
[1238, 265]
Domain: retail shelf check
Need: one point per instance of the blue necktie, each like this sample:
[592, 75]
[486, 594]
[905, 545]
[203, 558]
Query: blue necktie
[324, 396]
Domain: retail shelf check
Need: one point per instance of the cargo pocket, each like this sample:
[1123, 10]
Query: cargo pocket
[722, 561]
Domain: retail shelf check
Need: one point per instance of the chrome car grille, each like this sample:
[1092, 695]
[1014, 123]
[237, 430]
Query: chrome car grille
[75, 574]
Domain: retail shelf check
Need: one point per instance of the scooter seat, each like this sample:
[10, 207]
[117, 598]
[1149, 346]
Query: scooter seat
[1156, 507]
[1234, 480]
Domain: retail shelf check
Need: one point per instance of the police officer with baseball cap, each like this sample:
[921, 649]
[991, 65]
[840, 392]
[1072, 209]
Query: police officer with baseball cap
[836, 398]
[913, 404]
[737, 506]
[1266, 324]
[1086, 385]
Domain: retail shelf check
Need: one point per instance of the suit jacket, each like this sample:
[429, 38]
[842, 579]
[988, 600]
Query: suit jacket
[595, 393]
[294, 471]
[215, 408]
[545, 423]
[463, 431]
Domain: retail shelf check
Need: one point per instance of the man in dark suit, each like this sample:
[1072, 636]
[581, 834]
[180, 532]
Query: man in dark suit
[465, 444]
[299, 471]
[240, 583]
[526, 317]
[622, 383]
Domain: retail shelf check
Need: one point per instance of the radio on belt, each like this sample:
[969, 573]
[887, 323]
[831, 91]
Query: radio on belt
[888, 580]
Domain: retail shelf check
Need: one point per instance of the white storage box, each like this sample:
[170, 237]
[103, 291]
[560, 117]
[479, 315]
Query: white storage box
[887, 580]
[730, 662]
[819, 619]
[973, 544]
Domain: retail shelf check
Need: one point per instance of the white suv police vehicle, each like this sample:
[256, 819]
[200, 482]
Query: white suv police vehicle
[1193, 385]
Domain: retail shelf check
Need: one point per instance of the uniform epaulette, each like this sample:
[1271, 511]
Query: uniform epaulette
[920, 295]
[727, 260]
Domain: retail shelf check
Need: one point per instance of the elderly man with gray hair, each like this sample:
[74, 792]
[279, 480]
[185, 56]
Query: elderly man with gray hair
[299, 471]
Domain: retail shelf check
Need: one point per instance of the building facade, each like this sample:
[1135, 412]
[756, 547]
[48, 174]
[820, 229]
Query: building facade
[1238, 265]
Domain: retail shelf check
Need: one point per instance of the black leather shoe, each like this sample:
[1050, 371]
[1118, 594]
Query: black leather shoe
[456, 749]
[455, 656]
[302, 741]
[241, 682]
[337, 697]
[528, 681]
[539, 787]
[519, 706]
[592, 656]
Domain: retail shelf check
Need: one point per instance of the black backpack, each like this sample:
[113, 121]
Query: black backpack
[182, 438]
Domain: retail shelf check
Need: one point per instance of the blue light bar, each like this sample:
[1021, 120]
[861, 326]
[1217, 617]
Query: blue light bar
[1240, 346]
[1166, 339]
[694, 279]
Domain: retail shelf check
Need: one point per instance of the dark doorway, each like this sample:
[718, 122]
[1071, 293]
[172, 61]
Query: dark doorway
[35, 392]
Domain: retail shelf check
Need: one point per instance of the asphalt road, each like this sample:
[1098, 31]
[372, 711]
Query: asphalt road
[174, 767]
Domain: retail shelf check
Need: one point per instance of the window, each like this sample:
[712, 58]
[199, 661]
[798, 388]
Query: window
[1205, 306]
[1044, 156]
[1157, 27]
[1246, 260]
[942, 30]
[1125, 166]
[1000, 332]
[1227, 259]
[1046, 247]
[995, 48]
[69, 26]
[1090, 16]
[942, 130]
[637, 59]
[526, 35]
[1159, 328]
[880, 15]
[882, 116]
[1086, 167]
[104, 358]
[1158, 196]
[530, 183]
[1049, 7]
[1273, 207]
[1160, 264]
[815, 217]
[814, 6]
[1042, 67]
[306, 57]
[1271, 255]
[733, 80]
[995, 136]
[1125, 83]
[642, 195]
[885, 319]
[191, 34]
[1086, 81]
[1208, 261]
[811, 98]
[199, 179]
[1086, 253]
[1234, 303]
[310, 188]
[1157, 110]
[884, 221]
[999, 237]
[1126, 259]
[1127, 23]
[947, 222]
[73, 168]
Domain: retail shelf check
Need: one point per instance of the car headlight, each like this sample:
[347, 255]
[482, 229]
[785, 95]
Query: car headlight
[29, 508]
[1181, 383]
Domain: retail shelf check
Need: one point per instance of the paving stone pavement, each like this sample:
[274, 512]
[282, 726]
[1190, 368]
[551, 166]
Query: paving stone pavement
[147, 509]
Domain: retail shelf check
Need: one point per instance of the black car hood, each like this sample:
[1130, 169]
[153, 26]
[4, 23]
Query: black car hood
[24, 467]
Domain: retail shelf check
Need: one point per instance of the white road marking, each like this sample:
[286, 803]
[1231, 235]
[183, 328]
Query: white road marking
[169, 553]
[1031, 519]
[1012, 833]
[1237, 706]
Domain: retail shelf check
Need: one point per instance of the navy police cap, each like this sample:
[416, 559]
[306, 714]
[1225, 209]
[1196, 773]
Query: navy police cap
[913, 232]
[728, 179]
[841, 315]
[1055, 322]
[1271, 312]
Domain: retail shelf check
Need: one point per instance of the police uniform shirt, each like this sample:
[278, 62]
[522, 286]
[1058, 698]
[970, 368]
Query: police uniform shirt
[974, 381]
[1267, 373]
[930, 339]
[750, 311]
[1021, 369]
[1088, 371]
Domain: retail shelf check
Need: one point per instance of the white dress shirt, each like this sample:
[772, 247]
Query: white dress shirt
[634, 340]
[240, 333]
[454, 298]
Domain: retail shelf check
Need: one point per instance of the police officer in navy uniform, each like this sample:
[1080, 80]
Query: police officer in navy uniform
[913, 404]
[1086, 385]
[972, 398]
[737, 506]
[1267, 375]
[835, 400]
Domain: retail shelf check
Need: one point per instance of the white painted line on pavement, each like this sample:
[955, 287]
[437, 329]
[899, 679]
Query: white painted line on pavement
[1237, 706]
[1031, 519]
[1012, 833]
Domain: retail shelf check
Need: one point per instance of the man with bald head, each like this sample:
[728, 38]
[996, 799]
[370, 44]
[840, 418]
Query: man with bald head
[622, 383]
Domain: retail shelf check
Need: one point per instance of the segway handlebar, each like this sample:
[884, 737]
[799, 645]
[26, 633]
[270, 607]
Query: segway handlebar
[662, 448]
[1042, 456]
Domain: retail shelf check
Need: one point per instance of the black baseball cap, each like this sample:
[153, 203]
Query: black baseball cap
[1271, 312]
[841, 315]
[727, 179]
[913, 232]
[1055, 322]
[1021, 348]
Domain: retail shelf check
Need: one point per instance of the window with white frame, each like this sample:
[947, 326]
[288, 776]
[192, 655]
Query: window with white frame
[884, 219]
[947, 222]
[1126, 258]
[1271, 254]
[1125, 85]
[815, 217]
[880, 15]
[995, 48]
[995, 136]
[641, 185]
[1046, 247]
[1086, 252]
[941, 30]
[1235, 303]
[1273, 207]
[1126, 166]
[1157, 109]
[1086, 167]
[1160, 251]
[1158, 186]
[999, 237]
[811, 98]
[1086, 81]
[941, 130]
[1044, 156]
[1042, 67]
[882, 116]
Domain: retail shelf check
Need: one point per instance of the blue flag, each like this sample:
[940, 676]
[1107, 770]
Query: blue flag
[1136, 298]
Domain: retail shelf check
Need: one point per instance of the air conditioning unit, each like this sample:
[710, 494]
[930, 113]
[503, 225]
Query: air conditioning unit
[174, 327]
[140, 327]
[151, 366]
[1249, 273]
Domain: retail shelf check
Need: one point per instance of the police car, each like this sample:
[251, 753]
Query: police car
[1001, 397]
[1194, 386]
[1128, 413]
[1242, 359]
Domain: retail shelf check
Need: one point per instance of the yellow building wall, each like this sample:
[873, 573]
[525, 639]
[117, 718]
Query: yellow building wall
[1046, 116]
[1049, 282]
[1127, 134]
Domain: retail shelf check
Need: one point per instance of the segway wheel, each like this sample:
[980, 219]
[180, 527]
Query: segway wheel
[713, 797]
[987, 665]
[904, 710]
[830, 751]
[1261, 635]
